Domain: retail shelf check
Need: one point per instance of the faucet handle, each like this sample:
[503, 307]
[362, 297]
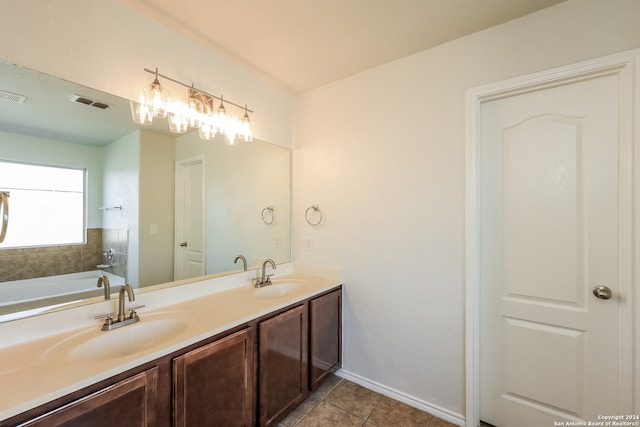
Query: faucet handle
[107, 316]
[132, 311]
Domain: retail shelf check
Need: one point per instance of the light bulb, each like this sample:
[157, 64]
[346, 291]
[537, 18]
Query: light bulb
[157, 97]
[245, 128]
[221, 118]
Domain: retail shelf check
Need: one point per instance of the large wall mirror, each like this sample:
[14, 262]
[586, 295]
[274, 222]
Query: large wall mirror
[157, 207]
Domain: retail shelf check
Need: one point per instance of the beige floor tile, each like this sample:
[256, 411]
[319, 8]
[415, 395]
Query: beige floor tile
[326, 387]
[299, 413]
[310, 402]
[326, 415]
[391, 413]
[354, 399]
[437, 422]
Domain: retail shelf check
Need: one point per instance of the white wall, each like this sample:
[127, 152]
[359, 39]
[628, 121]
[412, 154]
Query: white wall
[105, 44]
[157, 162]
[121, 187]
[240, 181]
[383, 155]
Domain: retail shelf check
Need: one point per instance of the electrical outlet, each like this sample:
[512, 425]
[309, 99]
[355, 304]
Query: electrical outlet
[308, 243]
[153, 229]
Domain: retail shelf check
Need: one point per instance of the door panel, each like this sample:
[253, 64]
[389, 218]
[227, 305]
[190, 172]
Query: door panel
[542, 203]
[190, 220]
[549, 233]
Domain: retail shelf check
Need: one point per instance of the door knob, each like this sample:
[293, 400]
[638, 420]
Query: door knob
[602, 292]
[184, 245]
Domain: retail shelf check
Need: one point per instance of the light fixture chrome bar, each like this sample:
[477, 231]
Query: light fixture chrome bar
[191, 87]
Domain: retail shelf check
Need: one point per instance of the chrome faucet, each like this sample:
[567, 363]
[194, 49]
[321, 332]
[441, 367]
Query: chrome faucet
[104, 280]
[265, 280]
[108, 254]
[122, 320]
[244, 261]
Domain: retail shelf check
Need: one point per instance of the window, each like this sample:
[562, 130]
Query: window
[46, 204]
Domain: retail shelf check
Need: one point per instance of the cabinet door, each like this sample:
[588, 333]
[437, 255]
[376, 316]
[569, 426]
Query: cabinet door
[131, 402]
[283, 364]
[325, 324]
[213, 385]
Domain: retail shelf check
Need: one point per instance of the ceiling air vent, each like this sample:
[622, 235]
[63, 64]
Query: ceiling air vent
[90, 102]
[12, 97]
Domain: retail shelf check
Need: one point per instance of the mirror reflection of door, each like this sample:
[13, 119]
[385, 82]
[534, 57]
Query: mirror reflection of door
[189, 251]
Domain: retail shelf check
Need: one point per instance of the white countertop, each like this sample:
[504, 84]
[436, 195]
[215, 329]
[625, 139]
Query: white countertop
[38, 370]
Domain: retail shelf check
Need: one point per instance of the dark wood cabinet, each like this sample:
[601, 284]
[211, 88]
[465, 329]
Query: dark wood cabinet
[252, 375]
[132, 401]
[325, 336]
[282, 364]
[213, 384]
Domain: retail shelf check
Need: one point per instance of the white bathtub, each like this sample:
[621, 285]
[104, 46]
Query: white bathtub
[19, 295]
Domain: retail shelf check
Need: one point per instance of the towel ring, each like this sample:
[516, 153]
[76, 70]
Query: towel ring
[269, 212]
[316, 209]
[4, 208]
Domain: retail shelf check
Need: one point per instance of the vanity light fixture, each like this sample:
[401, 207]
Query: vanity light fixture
[197, 111]
[157, 97]
[246, 131]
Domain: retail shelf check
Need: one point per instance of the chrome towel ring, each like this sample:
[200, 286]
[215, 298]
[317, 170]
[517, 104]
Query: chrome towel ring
[268, 216]
[318, 213]
[4, 208]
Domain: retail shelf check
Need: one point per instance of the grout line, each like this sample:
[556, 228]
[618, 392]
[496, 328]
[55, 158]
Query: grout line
[365, 420]
[344, 410]
[374, 408]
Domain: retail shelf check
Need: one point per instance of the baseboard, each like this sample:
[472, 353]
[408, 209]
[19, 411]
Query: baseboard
[442, 413]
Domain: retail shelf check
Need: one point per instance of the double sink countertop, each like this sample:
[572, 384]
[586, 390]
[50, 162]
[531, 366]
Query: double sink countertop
[44, 362]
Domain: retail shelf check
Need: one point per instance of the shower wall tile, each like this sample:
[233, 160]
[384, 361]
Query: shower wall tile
[27, 263]
[118, 241]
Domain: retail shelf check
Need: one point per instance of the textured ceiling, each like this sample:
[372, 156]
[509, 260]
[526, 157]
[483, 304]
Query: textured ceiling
[304, 44]
[49, 110]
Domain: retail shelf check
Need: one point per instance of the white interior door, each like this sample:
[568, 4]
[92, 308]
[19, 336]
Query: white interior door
[189, 251]
[549, 234]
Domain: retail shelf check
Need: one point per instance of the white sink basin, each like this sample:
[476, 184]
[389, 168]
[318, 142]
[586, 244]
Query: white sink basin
[95, 345]
[277, 289]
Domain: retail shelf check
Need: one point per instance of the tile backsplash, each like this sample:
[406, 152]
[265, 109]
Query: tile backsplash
[27, 263]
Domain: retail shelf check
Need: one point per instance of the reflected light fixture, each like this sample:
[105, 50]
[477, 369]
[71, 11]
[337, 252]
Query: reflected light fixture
[178, 123]
[196, 111]
[195, 108]
[141, 113]
[207, 129]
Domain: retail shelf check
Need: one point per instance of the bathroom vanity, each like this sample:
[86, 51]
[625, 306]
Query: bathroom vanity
[240, 357]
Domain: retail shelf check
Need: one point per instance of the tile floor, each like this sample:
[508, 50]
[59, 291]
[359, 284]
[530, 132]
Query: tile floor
[342, 403]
